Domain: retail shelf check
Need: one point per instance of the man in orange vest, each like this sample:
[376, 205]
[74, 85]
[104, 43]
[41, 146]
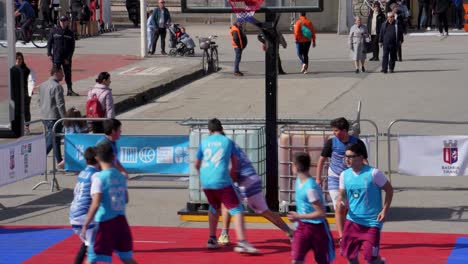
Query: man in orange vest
[239, 42]
[304, 35]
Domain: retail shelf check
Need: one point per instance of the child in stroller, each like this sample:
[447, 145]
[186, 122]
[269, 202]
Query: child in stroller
[180, 42]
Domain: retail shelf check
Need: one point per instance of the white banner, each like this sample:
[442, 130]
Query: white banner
[22, 159]
[433, 155]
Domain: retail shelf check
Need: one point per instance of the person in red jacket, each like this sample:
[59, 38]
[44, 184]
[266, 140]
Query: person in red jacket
[304, 35]
[239, 42]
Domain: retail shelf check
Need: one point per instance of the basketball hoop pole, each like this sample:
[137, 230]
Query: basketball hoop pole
[271, 107]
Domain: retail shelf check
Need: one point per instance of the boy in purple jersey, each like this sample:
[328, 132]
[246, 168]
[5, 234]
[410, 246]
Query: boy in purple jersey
[247, 178]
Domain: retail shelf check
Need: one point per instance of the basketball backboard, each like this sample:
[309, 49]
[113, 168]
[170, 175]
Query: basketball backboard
[278, 6]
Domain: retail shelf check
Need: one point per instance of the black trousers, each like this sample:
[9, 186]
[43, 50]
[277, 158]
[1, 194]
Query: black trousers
[67, 71]
[375, 46]
[389, 57]
[428, 12]
[26, 28]
[27, 108]
[442, 19]
[303, 52]
[399, 53]
[157, 32]
[47, 16]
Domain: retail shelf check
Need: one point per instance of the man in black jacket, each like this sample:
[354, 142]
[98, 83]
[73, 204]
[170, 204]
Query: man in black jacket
[374, 23]
[440, 8]
[162, 18]
[60, 48]
[391, 35]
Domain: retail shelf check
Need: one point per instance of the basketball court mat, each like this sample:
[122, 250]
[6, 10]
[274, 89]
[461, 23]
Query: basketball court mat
[43, 244]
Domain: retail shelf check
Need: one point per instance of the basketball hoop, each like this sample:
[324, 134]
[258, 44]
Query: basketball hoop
[245, 9]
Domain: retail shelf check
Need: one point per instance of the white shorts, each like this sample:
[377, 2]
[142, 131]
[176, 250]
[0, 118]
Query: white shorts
[257, 203]
[334, 197]
[77, 226]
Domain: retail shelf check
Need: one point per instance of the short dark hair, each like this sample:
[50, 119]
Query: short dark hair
[357, 149]
[111, 124]
[105, 152]
[55, 69]
[214, 125]
[340, 123]
[90, 156]
[303, 13]
[102, 76]
[302, 161]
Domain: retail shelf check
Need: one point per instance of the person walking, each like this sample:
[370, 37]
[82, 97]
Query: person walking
[304, 36]
[440, 8]
[161, 18]
[239, 42]
[52, 105]
[60, 49]
[103, 93]
[424, 14]
[358, 34]
[390, 37]
[374, 23]
[459, 14]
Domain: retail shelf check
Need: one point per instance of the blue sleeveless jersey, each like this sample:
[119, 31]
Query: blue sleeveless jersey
[215, 152]
[303, 206]
[82, 193]
[337, 164]
[114, 197]
[364, 197]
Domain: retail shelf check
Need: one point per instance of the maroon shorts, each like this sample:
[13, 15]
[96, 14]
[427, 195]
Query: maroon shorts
[313, 237]
[113, 235]
[355, 236]
[226, 196]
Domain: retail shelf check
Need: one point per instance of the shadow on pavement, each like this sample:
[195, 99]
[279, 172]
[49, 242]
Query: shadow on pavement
[61, 198]
[454, 214]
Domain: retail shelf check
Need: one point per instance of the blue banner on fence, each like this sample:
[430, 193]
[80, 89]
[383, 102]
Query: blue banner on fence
[138, 154]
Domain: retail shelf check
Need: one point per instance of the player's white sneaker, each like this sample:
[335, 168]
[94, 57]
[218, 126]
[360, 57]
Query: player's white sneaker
[245, 247]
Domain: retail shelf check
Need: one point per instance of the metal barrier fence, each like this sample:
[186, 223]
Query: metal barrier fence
[420, 121]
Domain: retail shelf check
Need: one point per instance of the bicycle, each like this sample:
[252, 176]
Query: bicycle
[363, 7]
[40, 34]
[210, 60]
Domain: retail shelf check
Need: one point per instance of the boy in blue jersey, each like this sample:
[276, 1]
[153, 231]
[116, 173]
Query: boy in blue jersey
[360, 187]
[248, 179]
[334, 150]
[112, 130]
[215, 152]
[110, 196]
[312, 230]
[82, 201]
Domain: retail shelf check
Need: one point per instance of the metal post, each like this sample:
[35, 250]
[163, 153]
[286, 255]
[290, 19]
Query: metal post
[143, 38]
[271, 109]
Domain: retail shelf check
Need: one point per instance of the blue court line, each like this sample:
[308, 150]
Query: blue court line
[459, 254]
[20, 244]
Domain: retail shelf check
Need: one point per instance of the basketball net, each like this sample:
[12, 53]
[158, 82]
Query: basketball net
[245, 9]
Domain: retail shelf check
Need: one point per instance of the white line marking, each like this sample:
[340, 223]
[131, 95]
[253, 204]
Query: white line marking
[154, 242]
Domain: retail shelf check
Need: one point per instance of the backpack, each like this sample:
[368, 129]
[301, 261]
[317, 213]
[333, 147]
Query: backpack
[306, 32]
[94, 108]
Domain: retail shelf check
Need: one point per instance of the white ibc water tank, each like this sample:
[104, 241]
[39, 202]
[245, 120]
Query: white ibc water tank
[250, 138]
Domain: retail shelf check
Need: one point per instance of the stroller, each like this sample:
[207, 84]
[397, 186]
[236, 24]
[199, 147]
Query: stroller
[180, 42]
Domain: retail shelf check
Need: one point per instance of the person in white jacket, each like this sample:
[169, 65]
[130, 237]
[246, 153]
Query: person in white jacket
[104, 94]
[150, 28]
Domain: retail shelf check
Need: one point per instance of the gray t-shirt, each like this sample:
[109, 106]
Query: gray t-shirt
[161, 19]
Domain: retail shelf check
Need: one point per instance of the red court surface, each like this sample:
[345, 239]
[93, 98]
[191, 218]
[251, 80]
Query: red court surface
[187, 245]
[84, 66]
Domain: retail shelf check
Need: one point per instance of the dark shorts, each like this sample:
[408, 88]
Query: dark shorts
[111, 235]
[226, 196]
[355, 236]
[313, 237]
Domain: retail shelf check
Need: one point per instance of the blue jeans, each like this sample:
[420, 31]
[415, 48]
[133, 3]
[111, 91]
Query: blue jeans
[302, 49]
[49, 124]
[238, 53]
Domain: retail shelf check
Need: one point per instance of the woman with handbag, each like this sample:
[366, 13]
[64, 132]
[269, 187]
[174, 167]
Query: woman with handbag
[358, 40]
